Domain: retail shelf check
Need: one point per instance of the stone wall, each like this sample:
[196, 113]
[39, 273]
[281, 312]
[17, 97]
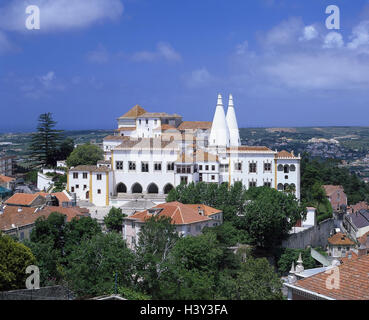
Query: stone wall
[45, 293]
[315, 237]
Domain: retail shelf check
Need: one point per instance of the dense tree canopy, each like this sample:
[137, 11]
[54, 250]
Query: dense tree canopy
[260, 216]
[53, 239]
[157, 237]
[86, 154]
[96, 262]
[269, 216]
[15, 257]
[322, 172]
[114, 219]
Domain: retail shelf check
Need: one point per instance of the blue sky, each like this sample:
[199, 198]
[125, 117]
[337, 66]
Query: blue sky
[92, 60]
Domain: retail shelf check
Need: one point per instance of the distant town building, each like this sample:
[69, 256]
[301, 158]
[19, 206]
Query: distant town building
[336, 196]
[6, 182]
[189, 219]
[339, 244]
[6, 165]
[19, 220]
[356, 224]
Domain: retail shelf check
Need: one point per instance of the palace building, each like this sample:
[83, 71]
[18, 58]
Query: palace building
[151, 153]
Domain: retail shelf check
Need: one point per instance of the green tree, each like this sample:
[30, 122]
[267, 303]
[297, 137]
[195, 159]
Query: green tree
[192, 268]
[94, 264]
[291, 255]
[269, 216]
[256, 280]
[15, 257]
[53, 239]
[45, 142]
[157, 237]
[114, 219]
[86, 154]
[65, 148]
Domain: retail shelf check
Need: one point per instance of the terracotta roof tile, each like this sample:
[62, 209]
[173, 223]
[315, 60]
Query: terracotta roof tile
[179, 213]
[340, 239]
[126, 129]
[187, 125]
[284, 154]
[330, 189]
[6, 179]
[14, 216]
[22, 199]
[135, 112]
[353, 281]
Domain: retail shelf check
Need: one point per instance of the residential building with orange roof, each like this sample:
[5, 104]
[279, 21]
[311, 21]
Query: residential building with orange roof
[339, 244]
[26, 200]
[347, 281]
[6, 181]
[189, 219]
[19, 221]
[153, 152]
[336, 196]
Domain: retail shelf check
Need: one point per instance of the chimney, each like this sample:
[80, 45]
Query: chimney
[362, 251]
[201, 212]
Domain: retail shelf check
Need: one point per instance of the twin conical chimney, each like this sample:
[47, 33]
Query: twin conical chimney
[231, 119]
[219, 134]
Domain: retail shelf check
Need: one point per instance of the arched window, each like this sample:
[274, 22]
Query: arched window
[292, 167]
[167, 188]
[293, 187]
[136, 188]
[280, 187]
[152, 188]
[121, 188]
[286, 186]
[280, 167]
[286, 168]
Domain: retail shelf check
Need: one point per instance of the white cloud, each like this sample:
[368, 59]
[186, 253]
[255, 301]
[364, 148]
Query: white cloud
[199, 78]
[333, 40]
[284, 62]
[99, 55]
[166, 51]
[163, 51]
[58, 15]
[360, 35]
[309, 33]
[285, 33]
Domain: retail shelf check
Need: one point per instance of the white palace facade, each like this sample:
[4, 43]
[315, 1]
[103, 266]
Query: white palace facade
[151, 153]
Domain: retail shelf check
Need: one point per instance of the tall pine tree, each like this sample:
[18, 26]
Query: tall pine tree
[45, 142]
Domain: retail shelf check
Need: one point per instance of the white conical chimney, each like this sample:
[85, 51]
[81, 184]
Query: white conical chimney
[234, 133]
[219, 134]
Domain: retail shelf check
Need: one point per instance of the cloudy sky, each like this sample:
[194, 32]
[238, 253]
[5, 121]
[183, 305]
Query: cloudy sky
[92, 60]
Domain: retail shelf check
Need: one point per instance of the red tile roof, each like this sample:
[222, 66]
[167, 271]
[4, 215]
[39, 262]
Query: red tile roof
[362, 205]
[340, 239]
[6, 179]
[61, 196]
[330, 189]
[135, 112]
[353, 281]
[193, 125]
[14, 216]
[22, 199]
[179, 213]
[284, 154]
